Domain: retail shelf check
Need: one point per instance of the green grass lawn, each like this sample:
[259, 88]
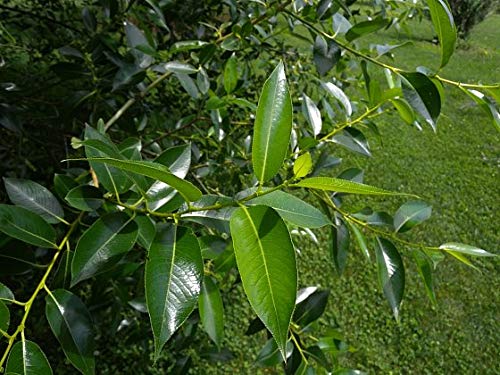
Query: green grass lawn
[457, 171]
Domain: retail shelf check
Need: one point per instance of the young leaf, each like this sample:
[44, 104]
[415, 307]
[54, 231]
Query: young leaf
[292, 209]
[411, 214]
[173, 276]
[157, 171]
[273, 126]
[266, 261]
[423, 95]
[26, 226]
[443, 22]
[34, 197]
[231, 75]
[211, 310]
[85, 198]
[103, 245]
[424, 267]
[391, 273]
[340, 244]
[302, 165]
[338, 94]
[26, 358]
[405, 110]
[71, 323]
[312, 114]
[455, 247]
[341, 186]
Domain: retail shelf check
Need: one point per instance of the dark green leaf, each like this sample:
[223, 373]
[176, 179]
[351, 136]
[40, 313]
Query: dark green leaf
[353, 140]
[26, 358]
[444, 25]
[6, 293]
[273, 126]
[26, 226]
[340, 244]
[270, 354]
[16, 258]
[85, 198]
[71, 323]
[4, 317]
[147, 230]
[366, 27]
[34, 197]
[131, 148]
[217, 219]
[211, 310]
[103, 245]
[423, 95]
[211, 246]
[461, 248]
[136, 40]
[378, 218]
[341, 186]
[411, 214]
[173, 275]
[424, 267]
[325, 55]
[231, 74]
[292, 209]
[391, 273]
[63, 184]
[311, 308]
[266, 262]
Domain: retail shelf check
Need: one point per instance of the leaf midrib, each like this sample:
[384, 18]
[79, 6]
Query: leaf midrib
[33, 201]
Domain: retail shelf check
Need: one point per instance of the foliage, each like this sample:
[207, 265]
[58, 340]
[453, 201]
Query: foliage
[148, 220]
[468, 13]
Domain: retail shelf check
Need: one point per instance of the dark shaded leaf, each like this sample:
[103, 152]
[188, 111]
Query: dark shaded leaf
[211, 310]
[85, 198]
[410, 214]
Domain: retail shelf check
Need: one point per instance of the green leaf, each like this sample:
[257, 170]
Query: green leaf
[71, 323]
[63, 184]
[26, 358]
[443, 22]
[157, 171]
[103, 245]
[302, 165]
[266, 261]
[270, 354]
[391, 273]
[187, 45]
[424, 267]
[211, 310]
[410, 214]
[231, 74]
[6, 293]
[360, 239]
[173, 275]
[338, 94]
[147, 230]
[405, 110]
[487, 105]
[340, 244]
[366, 27]
[455, 247]
[85, 198]
[341, 186]
[312, 114]
[180, 67]
[4, 317]
[325, 54]
[16, 258]
[292, 209]
[423, 95]
[217, 219]
[273, 126]
[34, 197]
[311, 309]
[353, 140]
[188, 84]
[26, 226]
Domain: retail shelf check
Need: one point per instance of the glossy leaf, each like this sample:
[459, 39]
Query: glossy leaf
[147, 230]
[340, 244]
[338, 94]
[5, 293]
[360, 239]
[71, 323]
[366, 27]
[312, 114]
[103, 245]
[273, 126]
[211, 310]
[410, 214]
[4, 317]
[405, 110]
[266, 261]
[180, 67]
[270, 354]
[311, 308]
[85, 198]
[423, 95]
[444, 25]
[217, 219]
[173, 276]
[292, 209]
[188, 84]
[26, 226]
[424, 267]
[353, 140]
[26, 358]
[461, 248]
[231, 74]
[487, 105]
[341, 186]
[391, 273]
[34, 197]
[302, 165]
[63, 184]
[154, 170]
[325, 55]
